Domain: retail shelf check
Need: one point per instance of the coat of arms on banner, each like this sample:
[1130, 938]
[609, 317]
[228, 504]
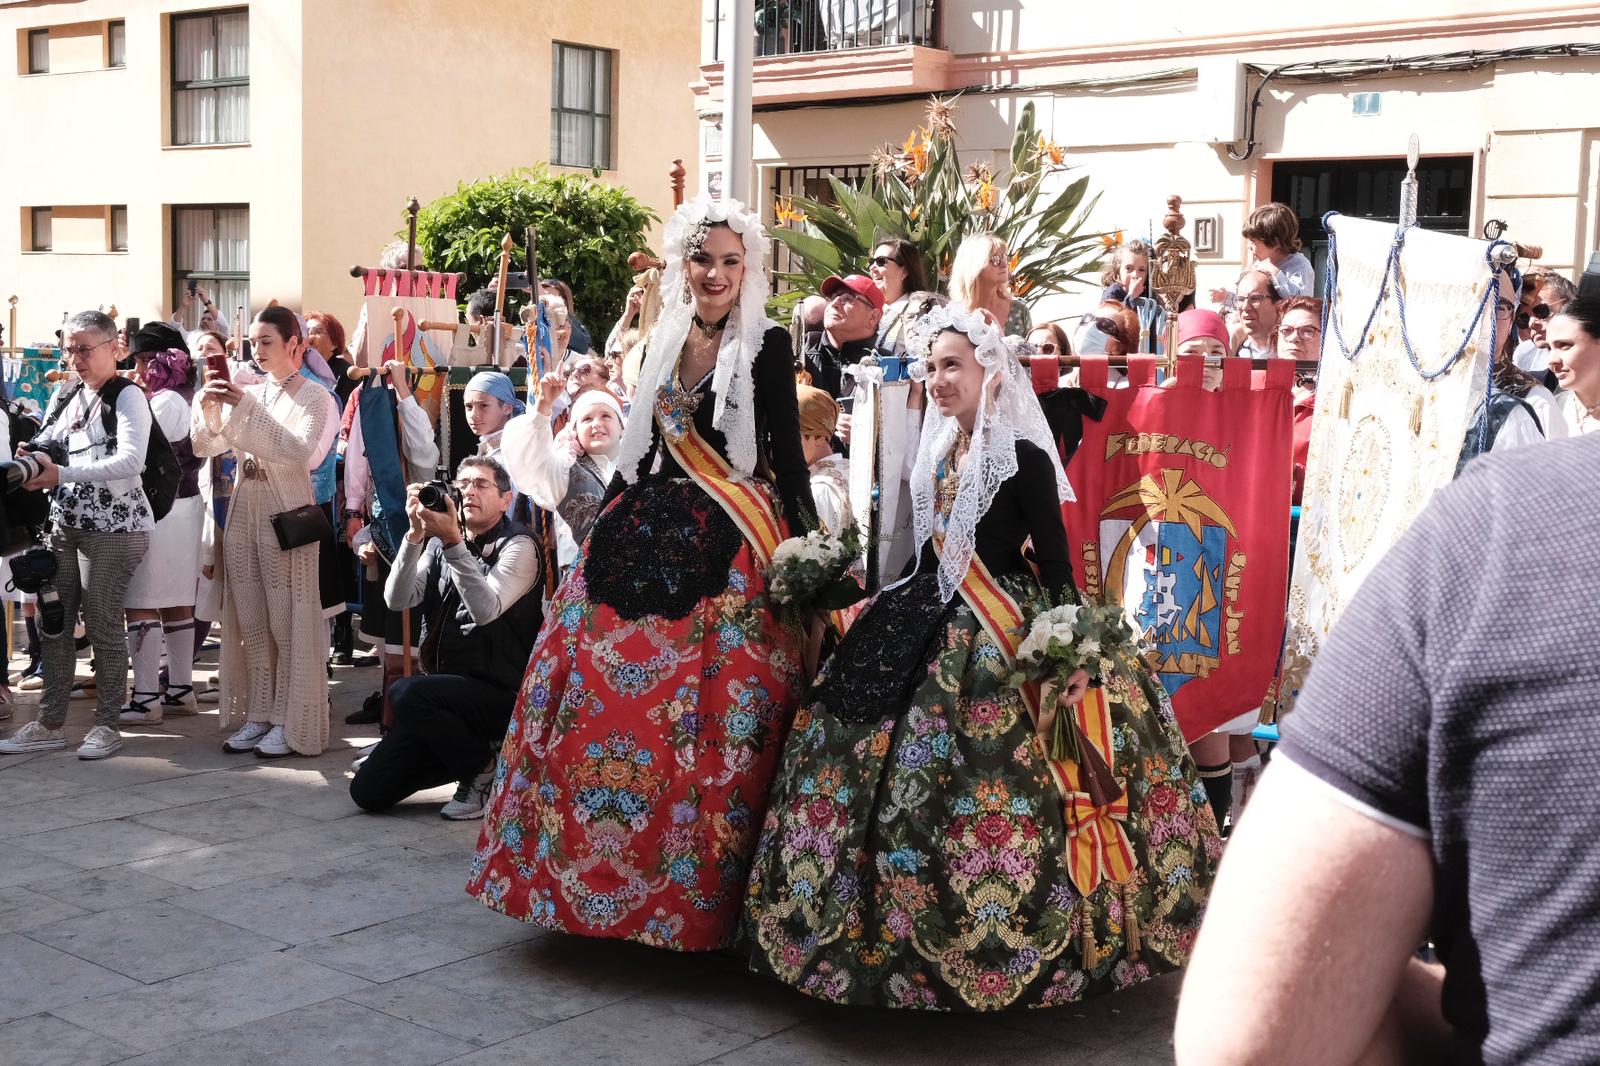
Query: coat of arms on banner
[1167, 549]
[424, 297]
[1182, 516]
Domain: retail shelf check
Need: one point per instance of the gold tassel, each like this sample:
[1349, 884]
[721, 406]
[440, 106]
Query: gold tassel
[1090, 954]
[1130, 922]
[1416, 417]
[1344, 398]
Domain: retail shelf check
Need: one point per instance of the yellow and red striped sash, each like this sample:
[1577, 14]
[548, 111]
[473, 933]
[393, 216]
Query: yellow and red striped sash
[1097, 846]
[750, 509]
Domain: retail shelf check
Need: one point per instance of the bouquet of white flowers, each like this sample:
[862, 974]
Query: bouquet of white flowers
[1061, 641]
[812, 572]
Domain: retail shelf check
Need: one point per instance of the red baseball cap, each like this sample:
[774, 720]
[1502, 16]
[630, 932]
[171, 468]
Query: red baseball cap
[859, 284]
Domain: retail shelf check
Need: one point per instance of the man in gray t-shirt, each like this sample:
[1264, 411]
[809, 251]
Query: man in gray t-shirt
[1436, 781]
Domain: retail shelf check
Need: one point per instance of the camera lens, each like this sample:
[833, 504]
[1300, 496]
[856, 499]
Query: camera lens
[432, 496]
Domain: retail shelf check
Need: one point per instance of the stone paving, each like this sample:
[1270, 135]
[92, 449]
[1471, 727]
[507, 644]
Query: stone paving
[177, 905]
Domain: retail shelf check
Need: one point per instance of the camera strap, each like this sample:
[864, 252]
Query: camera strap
[61, 405]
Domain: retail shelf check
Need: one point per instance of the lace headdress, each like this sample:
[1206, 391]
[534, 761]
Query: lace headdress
[733, 381]
[1012, 413]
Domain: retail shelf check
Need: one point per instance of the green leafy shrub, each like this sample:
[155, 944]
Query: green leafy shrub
[586, 229]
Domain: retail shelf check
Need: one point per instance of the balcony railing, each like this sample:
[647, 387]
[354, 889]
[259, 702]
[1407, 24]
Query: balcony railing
[795, 27]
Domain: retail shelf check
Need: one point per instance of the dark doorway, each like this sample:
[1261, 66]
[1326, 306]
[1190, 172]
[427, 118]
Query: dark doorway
[1370, 188]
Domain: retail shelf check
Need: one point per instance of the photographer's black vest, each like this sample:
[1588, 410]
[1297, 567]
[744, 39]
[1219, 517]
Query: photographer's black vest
[496, 653]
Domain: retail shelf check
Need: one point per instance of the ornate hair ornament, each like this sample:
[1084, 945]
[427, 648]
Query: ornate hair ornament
[695, 241]
[991, 347]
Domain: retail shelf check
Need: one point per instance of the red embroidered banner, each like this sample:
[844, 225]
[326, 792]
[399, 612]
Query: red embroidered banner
[1183, 517]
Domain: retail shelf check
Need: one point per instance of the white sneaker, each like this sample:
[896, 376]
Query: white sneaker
[470, 798]
[179, 700]
[247, 738]
[101, 742]
[32, 737]
[143, 708]
[273, 745]
[31, 683]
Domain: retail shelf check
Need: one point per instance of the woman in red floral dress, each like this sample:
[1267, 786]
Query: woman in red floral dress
[634, 772]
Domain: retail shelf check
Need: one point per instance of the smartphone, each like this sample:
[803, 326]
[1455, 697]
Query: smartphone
[217, 366]
[517, 280]
[192, 285]
[847, 404]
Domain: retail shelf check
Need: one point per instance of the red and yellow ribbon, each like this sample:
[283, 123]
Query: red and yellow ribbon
[1097, 846]
[749, 508]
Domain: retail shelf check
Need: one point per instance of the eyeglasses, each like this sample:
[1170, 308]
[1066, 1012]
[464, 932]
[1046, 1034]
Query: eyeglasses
[1255, 299]
[997, 260]
[1104, 325]
[78, 351]
[580, 370]
[482, 484]
[1046, 347]
[880, 261]
[848, 298]
[1299, 331]
[1540, 311]
[1504, 308]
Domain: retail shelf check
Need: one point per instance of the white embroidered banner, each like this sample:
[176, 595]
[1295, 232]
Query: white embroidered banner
[1384, 437]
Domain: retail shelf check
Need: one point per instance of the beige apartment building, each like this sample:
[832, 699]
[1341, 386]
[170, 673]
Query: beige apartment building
[261, 149]
[1227, 105]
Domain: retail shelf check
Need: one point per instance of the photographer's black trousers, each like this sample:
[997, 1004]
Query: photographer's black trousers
[447, 728]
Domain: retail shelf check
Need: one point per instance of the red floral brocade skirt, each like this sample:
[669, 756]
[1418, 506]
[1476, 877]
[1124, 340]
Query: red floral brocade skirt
[634, 774]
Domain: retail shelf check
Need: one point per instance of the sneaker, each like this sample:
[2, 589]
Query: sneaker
[273, 745]
[32, 737]
[179, 700]
[361, 756]
[31, 682]
[209, 694]
[470, 798]
[246, 738]
[146, 711]
[101, 742]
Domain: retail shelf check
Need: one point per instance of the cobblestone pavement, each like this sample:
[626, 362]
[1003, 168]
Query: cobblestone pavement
[176, 905]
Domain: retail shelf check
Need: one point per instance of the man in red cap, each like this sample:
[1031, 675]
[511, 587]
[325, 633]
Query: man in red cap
[849, 328]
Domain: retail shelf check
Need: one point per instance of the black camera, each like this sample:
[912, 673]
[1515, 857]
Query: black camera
[435, 493]
[34, 572]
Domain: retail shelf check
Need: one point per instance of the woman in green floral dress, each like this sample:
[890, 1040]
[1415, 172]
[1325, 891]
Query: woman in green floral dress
[919, 849]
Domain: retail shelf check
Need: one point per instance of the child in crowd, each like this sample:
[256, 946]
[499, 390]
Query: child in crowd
[1273, 231]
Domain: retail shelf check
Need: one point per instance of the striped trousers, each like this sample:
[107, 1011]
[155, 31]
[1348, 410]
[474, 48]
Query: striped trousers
[92, 571]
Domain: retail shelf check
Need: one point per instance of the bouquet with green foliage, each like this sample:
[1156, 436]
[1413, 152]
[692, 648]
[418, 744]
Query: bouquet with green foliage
[1062, 640]
[812, 573]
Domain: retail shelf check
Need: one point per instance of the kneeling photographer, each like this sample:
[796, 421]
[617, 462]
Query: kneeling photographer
[100, 523]
[476, 578]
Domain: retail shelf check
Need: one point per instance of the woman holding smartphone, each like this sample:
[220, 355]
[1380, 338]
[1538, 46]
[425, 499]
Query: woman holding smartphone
[274, 688]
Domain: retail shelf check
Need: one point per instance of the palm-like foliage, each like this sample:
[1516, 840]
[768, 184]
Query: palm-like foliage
[919, 191]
